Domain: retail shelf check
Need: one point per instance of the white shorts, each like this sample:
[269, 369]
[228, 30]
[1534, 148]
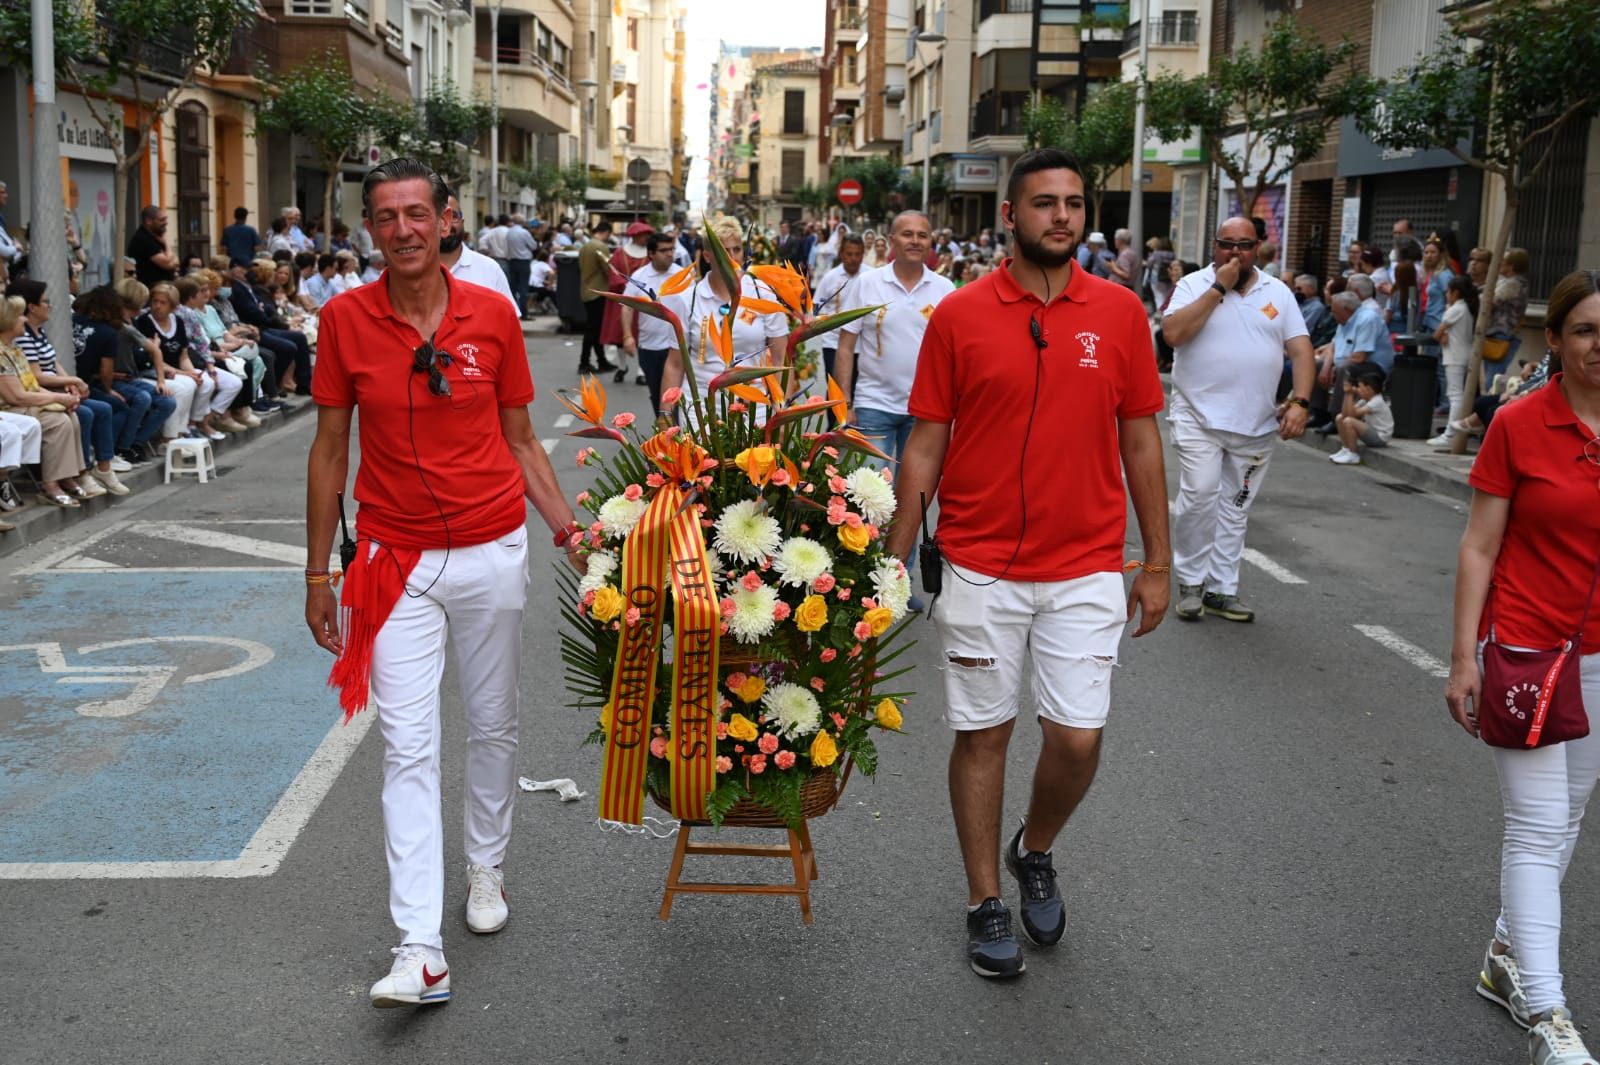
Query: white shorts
[1071, 627]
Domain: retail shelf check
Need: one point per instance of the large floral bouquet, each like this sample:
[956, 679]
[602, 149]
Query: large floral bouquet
[755, 533]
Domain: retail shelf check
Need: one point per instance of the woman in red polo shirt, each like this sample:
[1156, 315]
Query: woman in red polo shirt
[1534, 536]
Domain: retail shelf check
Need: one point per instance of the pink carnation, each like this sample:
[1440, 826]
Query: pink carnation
[855, 652]
[887, 473]
[785, 759]
[584, 454]
[837, 485]
[724, 763]
[588, 598]
[818, 684]
[654, 480]
[632, 616]
[831, 451]
[758, 763]
[868, 603]
[672, 431]
[838, 510]
[751, 581]
[722, 630]
[844, 595]
[622, 421]
[728, 608]
[851, 519]
[862, 630]
[583, 499]
[831, 470]
[823, 584]
[736, 681]
[736, 407]
[838, 719]
[780, 477]
[658, 747]
[671, 396]
[722, 730]
[767, 744]
[808, 488]
[828, 654]
[632, 492]
[781, 612]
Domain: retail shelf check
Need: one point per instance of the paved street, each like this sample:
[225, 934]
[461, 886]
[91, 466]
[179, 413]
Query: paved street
[1290, 855]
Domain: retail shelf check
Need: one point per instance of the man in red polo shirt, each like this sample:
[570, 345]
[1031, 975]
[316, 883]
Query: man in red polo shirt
[439, 372]
[1032, 511]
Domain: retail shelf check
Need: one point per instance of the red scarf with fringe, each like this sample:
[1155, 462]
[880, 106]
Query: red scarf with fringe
[373, 586]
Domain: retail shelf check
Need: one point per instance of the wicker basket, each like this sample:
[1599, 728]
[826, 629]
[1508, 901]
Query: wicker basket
[816, 798]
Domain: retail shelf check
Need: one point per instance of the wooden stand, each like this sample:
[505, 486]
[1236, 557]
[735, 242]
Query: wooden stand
[798, 851]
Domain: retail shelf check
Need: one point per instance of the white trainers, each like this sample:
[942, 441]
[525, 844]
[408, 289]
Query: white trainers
[1442, 440]
[419, 977]
[1556, 1042]
[486, 899]
[1500, 981]
[120, 464]
[109, 480]
[1345, 457]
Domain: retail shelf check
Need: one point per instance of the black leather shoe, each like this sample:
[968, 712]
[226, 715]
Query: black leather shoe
[1044, 916]
[992, 950]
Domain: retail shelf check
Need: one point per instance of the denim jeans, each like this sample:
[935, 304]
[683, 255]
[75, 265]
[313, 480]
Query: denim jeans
[130, 406]
[651, 362]
[155, 415]
[888, 431]
[99, 425]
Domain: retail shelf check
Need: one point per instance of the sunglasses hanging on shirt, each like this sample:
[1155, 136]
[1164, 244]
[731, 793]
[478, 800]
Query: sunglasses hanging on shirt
[431, 361]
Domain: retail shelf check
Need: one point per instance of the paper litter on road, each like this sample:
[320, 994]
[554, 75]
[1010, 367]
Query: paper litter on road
[566, 788]
[653, 827]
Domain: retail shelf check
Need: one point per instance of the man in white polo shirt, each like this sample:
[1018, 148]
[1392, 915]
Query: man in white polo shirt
[465, 264]
[878, 352]
[645, 337]
[835, 291]
[1230, 326]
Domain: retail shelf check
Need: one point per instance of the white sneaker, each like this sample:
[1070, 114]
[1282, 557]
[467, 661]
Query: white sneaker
[120, 464]
[109, 480]
[486, 899]
[1346, 458]
[1557, 1042]
[1442, 440]
[1337, 455]
[90, 486]
[412, 980]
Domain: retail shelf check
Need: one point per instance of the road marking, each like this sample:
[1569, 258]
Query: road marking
[549, 445]
[147, 680]
[266, 849]
[76, 546]
[1270, 568]
[563, 421]
[1405, 649]
[183, 533]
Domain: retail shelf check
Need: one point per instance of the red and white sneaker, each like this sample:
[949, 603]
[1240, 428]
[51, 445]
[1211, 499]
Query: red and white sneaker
[419, 977]
[486, 899]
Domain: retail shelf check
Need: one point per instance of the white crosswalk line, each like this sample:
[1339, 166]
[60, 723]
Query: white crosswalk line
[549, 445]
[563, 421]
[1405, 649]
[1270, 568]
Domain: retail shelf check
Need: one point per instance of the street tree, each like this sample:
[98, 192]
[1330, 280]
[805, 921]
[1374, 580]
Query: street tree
[1044, 122]
[879, 179]
[1262, 112]
[1101, 137]
[319, 102]
[438, 131]
[1498, 95]
[144, 52]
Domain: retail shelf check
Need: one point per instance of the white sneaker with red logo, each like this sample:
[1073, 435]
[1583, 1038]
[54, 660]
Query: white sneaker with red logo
[419, 977]
[486, 899]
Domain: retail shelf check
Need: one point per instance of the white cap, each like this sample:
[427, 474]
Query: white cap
[1097, 238]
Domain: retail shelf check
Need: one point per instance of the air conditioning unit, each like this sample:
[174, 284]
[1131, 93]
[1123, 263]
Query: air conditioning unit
[894, 94]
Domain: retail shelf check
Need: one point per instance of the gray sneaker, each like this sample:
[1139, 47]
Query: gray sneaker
[1501, 982]
[1556, 1041]
[1227, 606]
[1190, 602]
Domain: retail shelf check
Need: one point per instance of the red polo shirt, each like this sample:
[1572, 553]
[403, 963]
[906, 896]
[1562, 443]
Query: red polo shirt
[978, 370]
[435, 470]
[1533, 455]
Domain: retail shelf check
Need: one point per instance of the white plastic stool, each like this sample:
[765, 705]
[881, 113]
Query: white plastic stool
[201, 461]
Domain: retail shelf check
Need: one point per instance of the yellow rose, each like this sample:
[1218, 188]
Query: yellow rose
[752, 689]
[741, 728]
[823, 751]
[854, 538]
[812, 614]
[879, 618]
[758, 462]
[608, 604]
[887, 714]
[607, 712]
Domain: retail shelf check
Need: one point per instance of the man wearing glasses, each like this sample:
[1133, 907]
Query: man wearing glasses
[438, 370]
[1230, 326]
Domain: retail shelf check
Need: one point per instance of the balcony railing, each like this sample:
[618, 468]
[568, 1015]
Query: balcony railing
[254, 49]
[167, 55]
[1174, 28]
[394, 36]
[998, 115]
[528, 59]
[987, 8]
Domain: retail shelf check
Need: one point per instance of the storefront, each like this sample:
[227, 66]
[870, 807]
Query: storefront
[88, 178]
[1433, 190]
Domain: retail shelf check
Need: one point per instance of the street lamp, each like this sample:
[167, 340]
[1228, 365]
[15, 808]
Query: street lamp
[927, 37]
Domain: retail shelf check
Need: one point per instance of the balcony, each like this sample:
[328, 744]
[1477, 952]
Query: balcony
[254, 50]
[849, 21]
[164, 56]
[997, 123]
[525, 60]
[987, 8]
[1175, 29]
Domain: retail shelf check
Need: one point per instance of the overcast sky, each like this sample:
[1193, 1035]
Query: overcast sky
[711, 22]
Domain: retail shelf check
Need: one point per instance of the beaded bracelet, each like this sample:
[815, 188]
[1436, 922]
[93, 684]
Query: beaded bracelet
[1148, 567]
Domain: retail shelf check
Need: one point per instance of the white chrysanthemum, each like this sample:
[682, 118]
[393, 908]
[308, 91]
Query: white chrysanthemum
[892, 586]
[601, 567]
[867, 489]
[746, 534]
[752, 613]
[619, 514]
[794, 709]
[801, 560]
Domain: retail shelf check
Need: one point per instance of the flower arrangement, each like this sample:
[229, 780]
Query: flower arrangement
[755, 534]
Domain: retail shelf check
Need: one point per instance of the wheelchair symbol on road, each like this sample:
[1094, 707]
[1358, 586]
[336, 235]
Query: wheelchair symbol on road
[146, 681]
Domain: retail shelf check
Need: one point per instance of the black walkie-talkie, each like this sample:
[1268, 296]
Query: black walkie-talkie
[347, 546]
[929, 556]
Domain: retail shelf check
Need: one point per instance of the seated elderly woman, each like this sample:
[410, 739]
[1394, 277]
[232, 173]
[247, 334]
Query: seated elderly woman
[232, 344]
[61, 450]
[149, 372]
[190, 388]
[214, 419]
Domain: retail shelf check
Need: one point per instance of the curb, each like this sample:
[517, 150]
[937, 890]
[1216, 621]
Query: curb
[37, 521]
[1389, 463]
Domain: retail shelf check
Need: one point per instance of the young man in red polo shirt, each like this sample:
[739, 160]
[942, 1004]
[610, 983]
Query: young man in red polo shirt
[1032, 512]
[439, 373]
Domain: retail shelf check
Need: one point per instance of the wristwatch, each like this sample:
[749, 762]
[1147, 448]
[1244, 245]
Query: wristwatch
[1299, 401]
[564, 534]
[1220, 290]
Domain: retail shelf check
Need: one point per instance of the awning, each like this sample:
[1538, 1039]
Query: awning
[594, 195]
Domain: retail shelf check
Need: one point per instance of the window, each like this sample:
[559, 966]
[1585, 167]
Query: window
[542, 39]
[850, 67]
[794, 111]
[633, 110]
[633, 34]
[794, 169]
[559, 55]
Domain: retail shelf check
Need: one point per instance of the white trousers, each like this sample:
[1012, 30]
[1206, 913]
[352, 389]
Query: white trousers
[1544, 792]
[224, 395]
[21, 437]
[188, 395]
[477, 599]
[1219, 476]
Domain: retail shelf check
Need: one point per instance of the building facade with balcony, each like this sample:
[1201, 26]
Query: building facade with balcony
[645, 59]
[523, 60]
[863, 79]
[784, 131]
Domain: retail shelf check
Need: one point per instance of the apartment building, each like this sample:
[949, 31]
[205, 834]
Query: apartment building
[1178, 42]
[784, 130]
[863, 79]
[524, 61]
[647, 60]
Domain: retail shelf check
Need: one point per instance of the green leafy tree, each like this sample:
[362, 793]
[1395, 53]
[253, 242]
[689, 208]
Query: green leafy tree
[1044, 122]
[148, 51]
[1498, 95]
[439, 130]
[319, 102]
[879, 178]
[1101, 136]
[1279, 100]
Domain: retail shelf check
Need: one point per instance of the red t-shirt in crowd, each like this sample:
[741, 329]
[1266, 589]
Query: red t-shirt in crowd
[1533, 455]
[435, 471]
[978, 369]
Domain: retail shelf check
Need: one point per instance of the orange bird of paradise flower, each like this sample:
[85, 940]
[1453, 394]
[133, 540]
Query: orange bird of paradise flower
[592, 396]
[788, 284]
[678, 456]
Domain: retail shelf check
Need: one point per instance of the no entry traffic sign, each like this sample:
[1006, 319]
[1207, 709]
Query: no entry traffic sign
[849, 192]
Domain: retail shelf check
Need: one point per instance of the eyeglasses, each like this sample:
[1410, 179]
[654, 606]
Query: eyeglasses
[429, 360]
[1235, 245]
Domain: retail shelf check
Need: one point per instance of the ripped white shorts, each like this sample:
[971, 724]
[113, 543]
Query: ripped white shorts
[988, 627]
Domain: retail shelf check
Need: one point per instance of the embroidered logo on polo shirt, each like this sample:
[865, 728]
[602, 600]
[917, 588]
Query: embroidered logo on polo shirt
[1088, 340]
[1270, 311]
[469, 354]
[748, 317]
[927, 311]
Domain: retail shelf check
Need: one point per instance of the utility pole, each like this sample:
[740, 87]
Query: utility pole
[1136, 197]
[494, 106]
[47, 252]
